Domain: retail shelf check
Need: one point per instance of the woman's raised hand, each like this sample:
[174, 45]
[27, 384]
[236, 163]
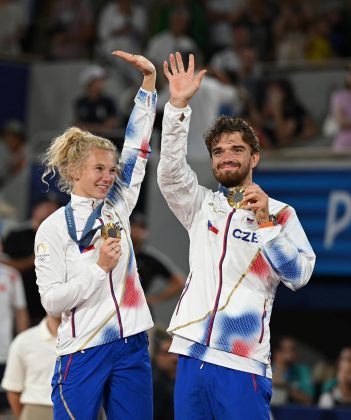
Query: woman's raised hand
[144, 65]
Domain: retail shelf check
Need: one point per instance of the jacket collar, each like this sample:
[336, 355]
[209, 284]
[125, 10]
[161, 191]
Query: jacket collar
[84, 202]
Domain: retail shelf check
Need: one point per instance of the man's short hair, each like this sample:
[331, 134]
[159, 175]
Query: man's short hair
[227, 125]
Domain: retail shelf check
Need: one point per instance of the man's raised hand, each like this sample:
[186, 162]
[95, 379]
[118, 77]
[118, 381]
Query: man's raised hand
[183, 84]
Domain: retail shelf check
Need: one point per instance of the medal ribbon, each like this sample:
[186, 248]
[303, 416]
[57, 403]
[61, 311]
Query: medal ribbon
[223, 190]
[234, 195]
[88, 231]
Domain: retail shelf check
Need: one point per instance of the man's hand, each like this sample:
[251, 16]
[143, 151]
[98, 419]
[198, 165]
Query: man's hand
[256, 199]
[143, 65]
[182, 83]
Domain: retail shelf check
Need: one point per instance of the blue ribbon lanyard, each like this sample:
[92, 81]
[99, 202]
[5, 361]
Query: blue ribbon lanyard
[88, 232]
[223, 190]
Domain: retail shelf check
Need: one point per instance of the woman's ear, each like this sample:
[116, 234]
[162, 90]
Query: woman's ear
[74, 172]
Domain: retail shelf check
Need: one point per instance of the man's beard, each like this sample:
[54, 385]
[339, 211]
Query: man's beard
[232, 179]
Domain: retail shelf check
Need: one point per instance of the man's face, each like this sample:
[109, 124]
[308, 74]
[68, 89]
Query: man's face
[232, 160]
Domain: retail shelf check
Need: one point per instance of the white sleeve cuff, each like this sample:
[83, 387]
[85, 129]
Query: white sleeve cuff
[98, 272]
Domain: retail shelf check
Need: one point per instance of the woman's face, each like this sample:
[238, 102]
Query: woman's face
[96, 176]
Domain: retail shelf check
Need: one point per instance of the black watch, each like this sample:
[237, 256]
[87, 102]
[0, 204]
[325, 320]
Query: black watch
[273, 219]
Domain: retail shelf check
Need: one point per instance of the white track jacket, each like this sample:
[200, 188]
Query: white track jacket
[98, 307]
[223, 314]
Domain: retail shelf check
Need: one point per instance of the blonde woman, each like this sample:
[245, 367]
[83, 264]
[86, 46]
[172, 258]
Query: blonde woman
[86, 269]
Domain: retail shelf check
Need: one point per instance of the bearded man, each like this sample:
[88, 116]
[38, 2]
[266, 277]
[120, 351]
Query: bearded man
[242, 245]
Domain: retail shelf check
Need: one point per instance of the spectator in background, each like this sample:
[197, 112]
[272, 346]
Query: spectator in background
[122, 26]
[7, 217]
[289, 35]
[16, 151]
[323, 377]
[252, 116]
[71, 31]
[250, 71]
[220, 16]
[229, 59]
[12, 308]
[340, 105]
[292, 381]
[95, 111]
[239, 63]
[329, 381]
[338, 36]
[318, 46]
[29, 370]
[174, 38]
[13, 24]
[340, 394]
[284, 119]
[152, 264]
[164, 373]
[258, 16]
[19, 254]
[240, 67]
[345, 353]
[197, 30]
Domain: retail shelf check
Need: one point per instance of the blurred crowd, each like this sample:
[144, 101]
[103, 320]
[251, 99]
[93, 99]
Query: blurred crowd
[301, 376]
[233, 39]
[278, 30]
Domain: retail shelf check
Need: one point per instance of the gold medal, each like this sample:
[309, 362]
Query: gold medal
[110, 230]
[235, 196]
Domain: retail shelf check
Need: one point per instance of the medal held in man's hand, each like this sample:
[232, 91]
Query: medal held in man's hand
[110, 230]
[235, 196]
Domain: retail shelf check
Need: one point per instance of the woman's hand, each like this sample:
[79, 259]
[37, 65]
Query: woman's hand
[110, 253]
[183, 84]
[144, 65]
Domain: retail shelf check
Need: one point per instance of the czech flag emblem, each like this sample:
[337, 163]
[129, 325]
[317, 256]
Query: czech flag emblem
[212, 228]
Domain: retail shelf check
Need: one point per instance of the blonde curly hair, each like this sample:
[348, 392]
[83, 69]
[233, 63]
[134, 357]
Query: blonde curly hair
[69, 151]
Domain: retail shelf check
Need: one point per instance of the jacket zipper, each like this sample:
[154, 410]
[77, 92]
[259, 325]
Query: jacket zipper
[116, 305]
[73, 311]
[73, 325]
[186, 287]
[214, 311]
[264, 313]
